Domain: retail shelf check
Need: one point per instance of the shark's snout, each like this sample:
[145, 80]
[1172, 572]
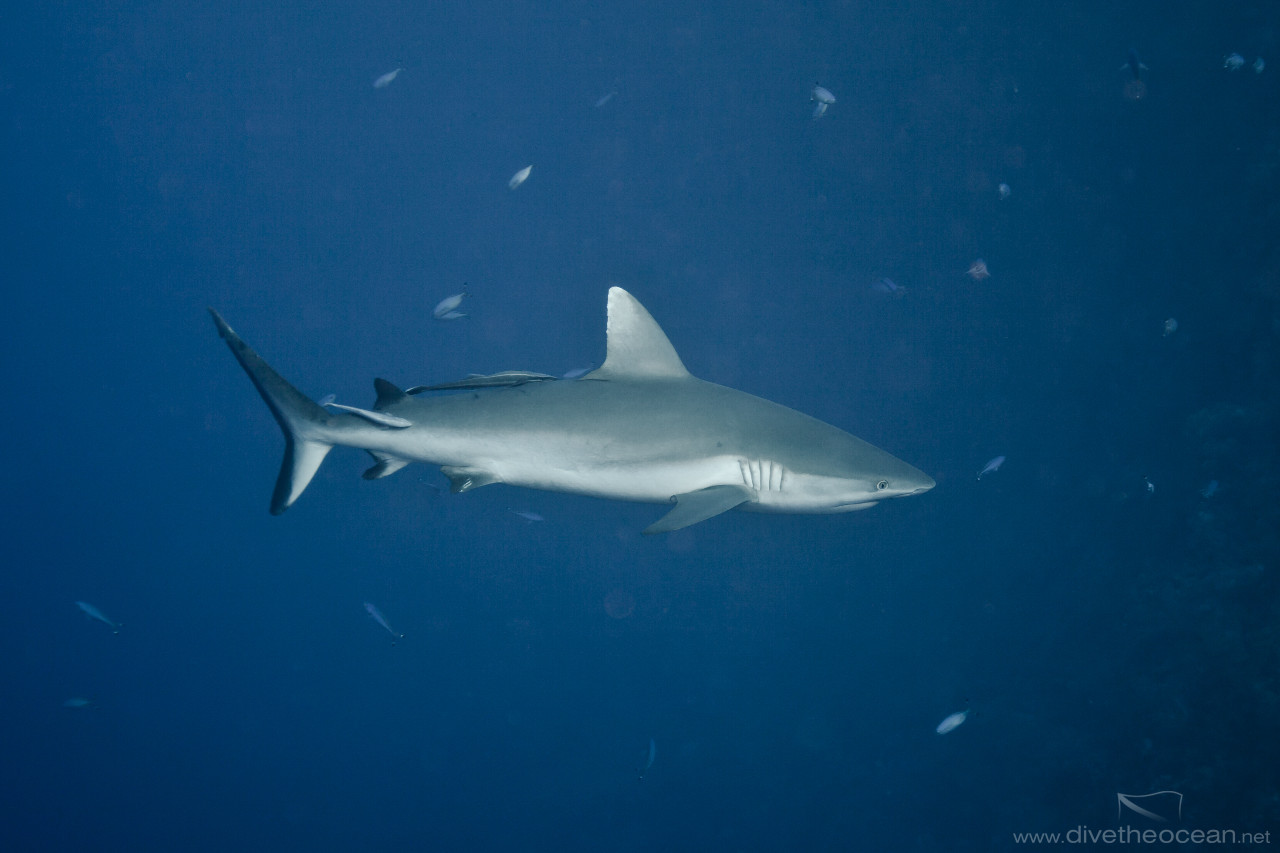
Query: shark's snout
[916, 483]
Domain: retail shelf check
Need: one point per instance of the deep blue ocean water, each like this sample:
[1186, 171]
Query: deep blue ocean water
[1110, 628]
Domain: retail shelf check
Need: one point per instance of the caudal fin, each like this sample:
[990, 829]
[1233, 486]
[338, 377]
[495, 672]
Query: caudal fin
[302, 421]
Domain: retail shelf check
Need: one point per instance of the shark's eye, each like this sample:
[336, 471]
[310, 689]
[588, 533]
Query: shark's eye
[882, 485]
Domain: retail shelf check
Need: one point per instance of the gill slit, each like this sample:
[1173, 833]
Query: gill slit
[762, 475]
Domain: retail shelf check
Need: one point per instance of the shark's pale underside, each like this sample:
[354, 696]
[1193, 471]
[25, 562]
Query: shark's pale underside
[639, 428]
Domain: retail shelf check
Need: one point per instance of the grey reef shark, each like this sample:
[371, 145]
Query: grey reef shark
[638, 428]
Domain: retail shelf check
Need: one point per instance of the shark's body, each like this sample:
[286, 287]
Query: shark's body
[639, 428]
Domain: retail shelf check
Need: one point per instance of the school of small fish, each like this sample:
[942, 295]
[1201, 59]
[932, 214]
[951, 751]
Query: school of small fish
[447, 309]
[96, 615]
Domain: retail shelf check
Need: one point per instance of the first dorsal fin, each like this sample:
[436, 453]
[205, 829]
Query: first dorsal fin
[387, 393]
[636, 348]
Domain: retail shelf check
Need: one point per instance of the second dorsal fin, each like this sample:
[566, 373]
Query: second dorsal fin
[387, 394]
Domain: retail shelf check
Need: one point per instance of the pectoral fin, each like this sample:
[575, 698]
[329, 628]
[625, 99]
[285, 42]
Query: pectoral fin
[698, 506]
[466, 479]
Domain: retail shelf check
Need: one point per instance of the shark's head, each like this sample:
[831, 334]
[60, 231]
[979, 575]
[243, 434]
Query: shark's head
[875, 477]
[833, 471]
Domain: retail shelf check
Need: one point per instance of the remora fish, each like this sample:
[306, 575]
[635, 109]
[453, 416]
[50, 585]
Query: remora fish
[638, 428]
[480, 380]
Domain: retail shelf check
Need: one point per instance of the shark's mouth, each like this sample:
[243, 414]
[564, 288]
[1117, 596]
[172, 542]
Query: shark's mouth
[851, 507]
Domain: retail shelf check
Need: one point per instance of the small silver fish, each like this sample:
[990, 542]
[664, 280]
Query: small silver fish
[605, 98]
[446, 309]
[1258, 65]
[952, 721]
[78, 702]
[1004, 191]
[648, 763]
[1233, 62]
[531, 517]
[821, 99]
[978, 270]
[382, 620]
[886, 285]
[991, 467]
[520, 177]
[385, 80]
[1170, 326]
[94, 613]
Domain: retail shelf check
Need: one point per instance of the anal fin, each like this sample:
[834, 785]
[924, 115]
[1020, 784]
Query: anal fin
[693, 507]
[465, 479]
[387, 465]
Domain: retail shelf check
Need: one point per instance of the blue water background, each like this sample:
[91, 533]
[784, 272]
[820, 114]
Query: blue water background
[160, 158]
